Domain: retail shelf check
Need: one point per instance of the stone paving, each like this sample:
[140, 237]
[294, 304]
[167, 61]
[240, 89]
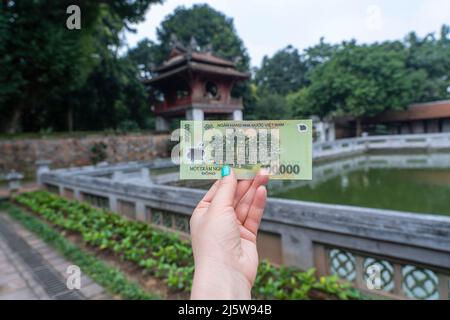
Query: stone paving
[17, 281]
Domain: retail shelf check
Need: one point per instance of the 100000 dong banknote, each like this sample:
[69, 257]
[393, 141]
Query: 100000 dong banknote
[283, 147]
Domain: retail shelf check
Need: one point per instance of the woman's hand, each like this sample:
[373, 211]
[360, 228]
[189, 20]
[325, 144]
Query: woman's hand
[224, 226]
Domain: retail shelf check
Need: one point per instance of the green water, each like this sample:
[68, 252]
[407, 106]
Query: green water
[416, 190]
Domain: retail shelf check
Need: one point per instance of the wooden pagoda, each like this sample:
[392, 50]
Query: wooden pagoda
[194, 85]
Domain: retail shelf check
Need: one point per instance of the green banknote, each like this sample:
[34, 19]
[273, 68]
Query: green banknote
[282, 147]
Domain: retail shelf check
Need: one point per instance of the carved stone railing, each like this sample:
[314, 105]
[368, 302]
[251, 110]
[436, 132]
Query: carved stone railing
[391, 142]
[411, 250]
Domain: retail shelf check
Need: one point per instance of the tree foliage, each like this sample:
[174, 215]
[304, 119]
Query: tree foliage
[282, 73]
[208, 27]
[270, 106]
[53, 78]
[359, 80]
[44, 65]
[364, 80]
[431, 54]
[144, 56]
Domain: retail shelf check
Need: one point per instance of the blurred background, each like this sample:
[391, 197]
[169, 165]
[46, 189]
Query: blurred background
[322, 58]
[90, 90]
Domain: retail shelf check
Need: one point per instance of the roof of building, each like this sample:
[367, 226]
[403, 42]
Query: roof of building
[181, 59]
[203, 57]
[198, 67]
[418, 111]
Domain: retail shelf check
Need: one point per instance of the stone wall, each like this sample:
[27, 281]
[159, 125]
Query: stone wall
[21, 154]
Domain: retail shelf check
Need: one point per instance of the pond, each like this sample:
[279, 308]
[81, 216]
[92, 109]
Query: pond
[415, 183]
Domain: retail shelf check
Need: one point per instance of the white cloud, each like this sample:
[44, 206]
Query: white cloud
[269, 25]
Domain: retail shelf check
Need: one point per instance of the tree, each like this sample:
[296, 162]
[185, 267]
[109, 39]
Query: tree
[144, 56]
[113, 96]
[209, 27]
[282, 73]
[299, 105]
[362, 80]
[43, 62]
[318, 54]
[432, 55]
[270, 106]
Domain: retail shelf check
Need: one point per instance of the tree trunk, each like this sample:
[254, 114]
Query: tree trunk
[70, 119]
[358, 127]
[13, 124]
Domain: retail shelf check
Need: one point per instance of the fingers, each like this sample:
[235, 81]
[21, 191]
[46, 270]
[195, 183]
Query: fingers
[256, 211]
[245, 202]
[203, 205]
[224, 196]
[211, 192]
[242, 189]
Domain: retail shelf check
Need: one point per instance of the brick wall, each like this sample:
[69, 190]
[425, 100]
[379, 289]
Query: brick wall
[21, 154]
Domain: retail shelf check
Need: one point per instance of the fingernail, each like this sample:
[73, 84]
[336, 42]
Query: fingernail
[226, 170]
[264, 171]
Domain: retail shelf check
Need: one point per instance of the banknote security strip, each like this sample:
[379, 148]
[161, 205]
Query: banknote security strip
[283, 147]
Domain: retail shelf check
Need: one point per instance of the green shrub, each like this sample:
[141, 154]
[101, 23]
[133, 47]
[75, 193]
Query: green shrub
[163, 254]
[128, 126]
[98, 152]
[109, 277]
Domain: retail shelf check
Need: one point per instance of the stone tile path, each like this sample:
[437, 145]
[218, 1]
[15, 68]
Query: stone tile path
[19, 280]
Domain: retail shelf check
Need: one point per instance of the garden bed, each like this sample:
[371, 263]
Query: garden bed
[160, 261]
[110, 277]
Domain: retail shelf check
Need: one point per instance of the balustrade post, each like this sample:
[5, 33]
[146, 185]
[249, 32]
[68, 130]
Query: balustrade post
[14, 179]
[321, 260]
[43, 166]
[398, 279]
[444, 290]
[359, 267]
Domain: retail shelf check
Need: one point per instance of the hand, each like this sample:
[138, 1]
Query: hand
[224, 226]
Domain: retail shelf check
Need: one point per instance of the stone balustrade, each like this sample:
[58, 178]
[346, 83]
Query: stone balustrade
[409, 252]
[344, 147]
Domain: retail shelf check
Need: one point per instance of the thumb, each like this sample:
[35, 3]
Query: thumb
[224, 196]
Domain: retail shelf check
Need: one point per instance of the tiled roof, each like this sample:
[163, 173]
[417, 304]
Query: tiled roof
[181, 58]
[230, 72]
[420, 111]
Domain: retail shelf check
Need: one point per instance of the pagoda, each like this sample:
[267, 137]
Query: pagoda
[194, 85]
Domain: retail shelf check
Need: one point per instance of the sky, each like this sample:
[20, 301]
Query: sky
[266, 26]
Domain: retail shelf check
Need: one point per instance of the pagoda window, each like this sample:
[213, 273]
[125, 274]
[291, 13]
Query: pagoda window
[211, 90]
[157, 96]
[182, 91]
